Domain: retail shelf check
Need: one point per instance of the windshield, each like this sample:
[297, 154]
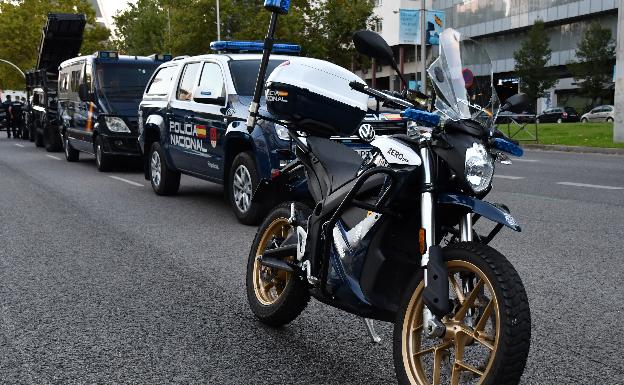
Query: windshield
[245, 73]
[462, 78]
[122, 85]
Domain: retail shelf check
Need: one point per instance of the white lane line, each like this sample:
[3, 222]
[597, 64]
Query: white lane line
[126, 180]
[590, 185]
[524, 160]
[509, 177]
[19, 145]
[53, 157]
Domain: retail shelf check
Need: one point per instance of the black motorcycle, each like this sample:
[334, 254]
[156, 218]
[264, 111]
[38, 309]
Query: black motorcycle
[392, 238]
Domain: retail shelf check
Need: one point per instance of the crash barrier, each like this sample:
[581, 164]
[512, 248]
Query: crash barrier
[521, 127]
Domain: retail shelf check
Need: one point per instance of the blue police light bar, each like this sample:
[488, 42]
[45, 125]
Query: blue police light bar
[279, 6]
[107, 55]
[253, 46]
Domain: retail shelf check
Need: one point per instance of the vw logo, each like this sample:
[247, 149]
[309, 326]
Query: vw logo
[367, 132]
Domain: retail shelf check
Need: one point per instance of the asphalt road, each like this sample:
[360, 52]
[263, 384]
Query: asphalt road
[102, 281]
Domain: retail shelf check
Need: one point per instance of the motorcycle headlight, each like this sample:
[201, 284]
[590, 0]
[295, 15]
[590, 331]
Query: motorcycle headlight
[116, 124]
[479, 168]
[282, 132]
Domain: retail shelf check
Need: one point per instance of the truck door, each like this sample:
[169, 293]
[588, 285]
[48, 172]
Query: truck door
[210, 103]
[76, 108]
[183, 142]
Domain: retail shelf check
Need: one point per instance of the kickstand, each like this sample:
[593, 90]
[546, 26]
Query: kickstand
[371, 330]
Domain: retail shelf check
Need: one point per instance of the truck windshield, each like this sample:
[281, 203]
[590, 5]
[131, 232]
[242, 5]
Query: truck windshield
[122, 84]
[245, 73]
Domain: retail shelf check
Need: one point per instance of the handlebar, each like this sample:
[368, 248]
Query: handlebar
[383, 96]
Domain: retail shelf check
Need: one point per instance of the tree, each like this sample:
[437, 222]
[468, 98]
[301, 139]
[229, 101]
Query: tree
[20, 27]
[186, 27]
[596, 54]
[531, 60]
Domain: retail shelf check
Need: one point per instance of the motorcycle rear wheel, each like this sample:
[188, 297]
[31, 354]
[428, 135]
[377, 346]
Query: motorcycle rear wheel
[275, 297]
[487, 334]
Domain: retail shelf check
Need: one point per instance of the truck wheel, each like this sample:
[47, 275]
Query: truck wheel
[164, 180]
[38, 136]
[52, 140]
[71, 154]
[103, 162]
[243, 182]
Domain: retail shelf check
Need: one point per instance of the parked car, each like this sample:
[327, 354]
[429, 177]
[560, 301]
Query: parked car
[192, 121]
[98, 100]
[506, 117]
[558, 115]
[599, 114]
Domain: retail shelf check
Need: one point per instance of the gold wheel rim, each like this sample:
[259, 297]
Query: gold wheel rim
[458, 336]
[269, 284]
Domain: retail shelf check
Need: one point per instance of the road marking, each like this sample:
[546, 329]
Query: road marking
[509, 177]
[590, 186]
[126, 180]
[19, 145]
[524, 160]
[53, 157]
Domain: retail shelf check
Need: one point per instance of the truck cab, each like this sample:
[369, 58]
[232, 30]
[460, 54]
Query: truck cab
[99, 97]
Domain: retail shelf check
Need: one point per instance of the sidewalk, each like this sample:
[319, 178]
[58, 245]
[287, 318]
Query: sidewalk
[590, 150]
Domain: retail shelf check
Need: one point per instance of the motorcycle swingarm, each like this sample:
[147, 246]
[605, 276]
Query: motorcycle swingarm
[495, 213]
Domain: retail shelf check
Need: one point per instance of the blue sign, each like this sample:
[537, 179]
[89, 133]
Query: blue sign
[435, 25]
[409, 26]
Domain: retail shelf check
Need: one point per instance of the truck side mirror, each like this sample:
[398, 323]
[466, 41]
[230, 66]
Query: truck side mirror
[83, 93]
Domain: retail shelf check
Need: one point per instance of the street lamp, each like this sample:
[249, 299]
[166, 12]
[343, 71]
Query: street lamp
[14, 66]
[218, 22]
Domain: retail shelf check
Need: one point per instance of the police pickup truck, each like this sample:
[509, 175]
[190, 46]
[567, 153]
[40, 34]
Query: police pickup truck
[192, 121]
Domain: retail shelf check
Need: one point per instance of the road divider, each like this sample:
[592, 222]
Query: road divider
[125, 180]
[590, 186]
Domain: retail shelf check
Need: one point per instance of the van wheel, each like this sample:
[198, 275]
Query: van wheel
[164, 180]
[71, 154]
[242, 183]
[103, 162]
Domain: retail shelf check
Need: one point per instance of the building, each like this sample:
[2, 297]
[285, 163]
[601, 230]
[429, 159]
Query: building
[502, 26]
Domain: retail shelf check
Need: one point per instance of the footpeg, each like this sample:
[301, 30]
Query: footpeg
[371, 330]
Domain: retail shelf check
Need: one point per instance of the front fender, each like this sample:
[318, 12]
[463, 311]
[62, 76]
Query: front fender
[485, 209]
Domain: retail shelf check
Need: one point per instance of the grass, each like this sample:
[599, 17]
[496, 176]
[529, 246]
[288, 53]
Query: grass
[569, 134]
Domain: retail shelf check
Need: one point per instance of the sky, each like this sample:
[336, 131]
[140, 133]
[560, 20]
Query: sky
[111, 7]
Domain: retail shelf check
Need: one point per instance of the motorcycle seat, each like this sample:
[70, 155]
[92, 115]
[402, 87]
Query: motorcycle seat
[339, 162]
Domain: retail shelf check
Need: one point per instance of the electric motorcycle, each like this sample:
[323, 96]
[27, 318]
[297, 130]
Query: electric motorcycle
[392, 238]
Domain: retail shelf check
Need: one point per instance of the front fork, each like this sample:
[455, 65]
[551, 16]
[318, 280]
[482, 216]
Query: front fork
[432, 325]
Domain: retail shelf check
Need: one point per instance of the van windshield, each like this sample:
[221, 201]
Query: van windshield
[245, 73]
[122, 84]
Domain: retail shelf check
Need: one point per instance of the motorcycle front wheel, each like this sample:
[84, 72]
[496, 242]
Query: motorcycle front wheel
[487, 335]
[275, 297]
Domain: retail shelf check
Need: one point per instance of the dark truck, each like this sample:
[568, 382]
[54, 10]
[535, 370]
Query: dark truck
[61, 39]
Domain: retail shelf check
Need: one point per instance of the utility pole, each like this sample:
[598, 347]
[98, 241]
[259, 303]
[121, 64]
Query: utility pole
[618, 126]
[423, 46]
[218, 22]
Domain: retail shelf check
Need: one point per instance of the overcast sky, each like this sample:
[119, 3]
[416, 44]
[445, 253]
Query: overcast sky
[111, 7]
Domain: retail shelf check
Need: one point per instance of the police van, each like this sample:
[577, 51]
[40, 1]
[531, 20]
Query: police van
[192, 122]
[98, 101]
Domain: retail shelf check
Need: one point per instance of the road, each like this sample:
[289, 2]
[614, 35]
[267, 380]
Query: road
[102, 281]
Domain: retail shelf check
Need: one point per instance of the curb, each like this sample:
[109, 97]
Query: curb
[587, 150]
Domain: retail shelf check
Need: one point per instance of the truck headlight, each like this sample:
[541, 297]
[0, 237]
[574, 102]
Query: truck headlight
[479, 168]
[282, 132]
[116, 124]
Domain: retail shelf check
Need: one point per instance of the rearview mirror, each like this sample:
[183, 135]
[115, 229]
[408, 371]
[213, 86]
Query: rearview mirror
[206, 96]
[371, 44]
[517, 103]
